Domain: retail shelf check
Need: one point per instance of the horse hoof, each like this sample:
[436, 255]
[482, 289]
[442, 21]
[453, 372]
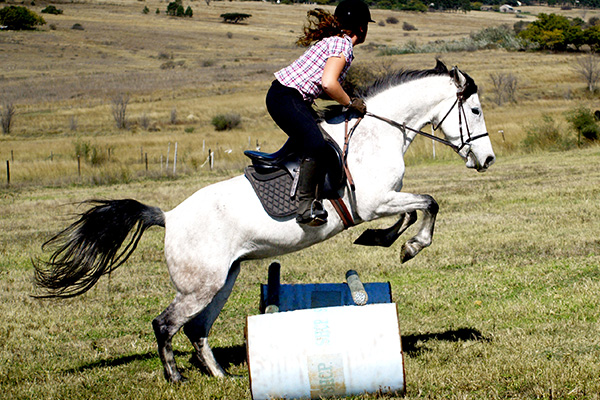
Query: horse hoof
[176, 378]
[408, 252]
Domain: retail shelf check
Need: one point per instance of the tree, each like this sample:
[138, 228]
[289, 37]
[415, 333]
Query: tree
[189, 12]
[19, 18]
[234, 18]
[6, 117]
[553, 32]
[584, 122]
[172, 7]
[119, 110]
[588, 67]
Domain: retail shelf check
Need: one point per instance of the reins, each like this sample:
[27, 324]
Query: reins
[461, 115]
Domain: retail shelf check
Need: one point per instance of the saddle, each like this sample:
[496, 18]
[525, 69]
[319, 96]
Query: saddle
[274, 176]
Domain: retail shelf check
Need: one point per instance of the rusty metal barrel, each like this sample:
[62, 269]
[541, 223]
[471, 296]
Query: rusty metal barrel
[323, 352]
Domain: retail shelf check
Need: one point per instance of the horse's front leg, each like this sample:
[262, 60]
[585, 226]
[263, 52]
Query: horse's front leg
[407, 203]
[386, 237]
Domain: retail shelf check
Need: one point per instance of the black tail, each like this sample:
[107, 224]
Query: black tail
[89, 248]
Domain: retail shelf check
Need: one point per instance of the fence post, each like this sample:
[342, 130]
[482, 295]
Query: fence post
[167, 164]
[175, 160]
[79, 165]
[7, 173]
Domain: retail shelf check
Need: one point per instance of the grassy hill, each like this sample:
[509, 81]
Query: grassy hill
[179, 73]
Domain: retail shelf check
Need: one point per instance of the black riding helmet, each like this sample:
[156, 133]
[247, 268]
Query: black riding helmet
[353, 14]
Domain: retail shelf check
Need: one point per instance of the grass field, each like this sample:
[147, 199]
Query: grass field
[503, 305]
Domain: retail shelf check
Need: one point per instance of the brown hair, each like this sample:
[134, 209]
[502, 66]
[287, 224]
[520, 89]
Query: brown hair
[319, 25]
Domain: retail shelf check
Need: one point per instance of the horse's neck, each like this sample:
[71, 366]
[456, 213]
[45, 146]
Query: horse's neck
[414, 104]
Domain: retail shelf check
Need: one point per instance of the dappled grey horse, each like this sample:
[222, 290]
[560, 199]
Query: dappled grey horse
[209, 234]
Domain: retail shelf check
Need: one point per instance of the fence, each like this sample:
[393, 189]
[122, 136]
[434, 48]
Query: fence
[168, 165]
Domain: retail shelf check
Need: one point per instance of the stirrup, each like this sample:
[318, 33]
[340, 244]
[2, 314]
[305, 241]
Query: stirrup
[317, 216]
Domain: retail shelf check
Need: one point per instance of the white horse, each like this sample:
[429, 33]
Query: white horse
[209, 234]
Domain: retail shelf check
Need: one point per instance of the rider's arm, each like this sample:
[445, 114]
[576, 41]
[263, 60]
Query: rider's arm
[333, 68]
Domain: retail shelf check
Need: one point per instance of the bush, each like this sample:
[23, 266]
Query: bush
[89, 153]
[50, 9]
[584, 123]
[223, 122]
[19, 18]
[234, 18]
[408, 27]
[545, 136]
[392, 20]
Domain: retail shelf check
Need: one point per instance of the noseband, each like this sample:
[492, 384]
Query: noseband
[465, 145]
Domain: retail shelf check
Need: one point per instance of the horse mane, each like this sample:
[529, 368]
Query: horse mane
[396, 78]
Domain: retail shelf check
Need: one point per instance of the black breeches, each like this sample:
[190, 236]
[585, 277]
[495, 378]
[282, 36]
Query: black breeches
[297, 119]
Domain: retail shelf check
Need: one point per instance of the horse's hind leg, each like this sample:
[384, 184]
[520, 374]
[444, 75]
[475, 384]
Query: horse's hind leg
[167, 324]
[197, 329]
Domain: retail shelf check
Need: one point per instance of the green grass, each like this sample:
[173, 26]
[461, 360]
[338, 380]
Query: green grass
[504, 304]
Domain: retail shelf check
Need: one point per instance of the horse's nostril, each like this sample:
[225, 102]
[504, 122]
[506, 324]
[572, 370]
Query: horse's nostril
[489, 161]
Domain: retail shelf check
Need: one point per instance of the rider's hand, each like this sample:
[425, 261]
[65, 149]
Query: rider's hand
[357, 106]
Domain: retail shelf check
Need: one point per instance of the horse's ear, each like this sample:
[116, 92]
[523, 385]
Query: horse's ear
[459, 78]
[440, 67]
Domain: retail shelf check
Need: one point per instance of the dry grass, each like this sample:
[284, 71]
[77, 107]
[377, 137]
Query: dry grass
[502, 305]
[62, 81]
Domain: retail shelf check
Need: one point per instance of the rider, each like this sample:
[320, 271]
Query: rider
[322, 68]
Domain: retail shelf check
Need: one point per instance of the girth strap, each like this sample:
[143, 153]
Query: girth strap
[345, 215]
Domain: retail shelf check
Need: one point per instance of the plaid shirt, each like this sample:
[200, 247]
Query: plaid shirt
[306, 72]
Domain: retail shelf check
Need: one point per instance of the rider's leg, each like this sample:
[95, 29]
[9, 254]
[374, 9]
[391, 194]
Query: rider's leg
[296, 118]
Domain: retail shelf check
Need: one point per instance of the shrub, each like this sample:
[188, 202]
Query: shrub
[234, 18]
[77, 27]
[89, 153]
[584, 123]
[50, 9]
[228, 121]
[19, 18]
[146, 10]
[408, 26]
[545, 136]
[189, 12]
[392, 20]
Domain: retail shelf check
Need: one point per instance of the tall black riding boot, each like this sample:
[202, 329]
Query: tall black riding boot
[310, 208]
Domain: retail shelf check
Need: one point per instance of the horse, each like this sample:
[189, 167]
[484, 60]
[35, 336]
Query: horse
[212, 232]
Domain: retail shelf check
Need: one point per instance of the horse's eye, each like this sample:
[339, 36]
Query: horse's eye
[475, 111]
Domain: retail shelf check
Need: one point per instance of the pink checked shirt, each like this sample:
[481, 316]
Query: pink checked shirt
[306, 72]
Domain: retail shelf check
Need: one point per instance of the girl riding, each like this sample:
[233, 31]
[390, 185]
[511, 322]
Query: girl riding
[320, 70]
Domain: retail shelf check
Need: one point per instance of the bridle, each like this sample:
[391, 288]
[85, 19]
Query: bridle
[462, 150]
[465, 145]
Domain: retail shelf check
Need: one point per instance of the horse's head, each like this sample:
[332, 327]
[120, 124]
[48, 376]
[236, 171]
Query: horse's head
[463, 124]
